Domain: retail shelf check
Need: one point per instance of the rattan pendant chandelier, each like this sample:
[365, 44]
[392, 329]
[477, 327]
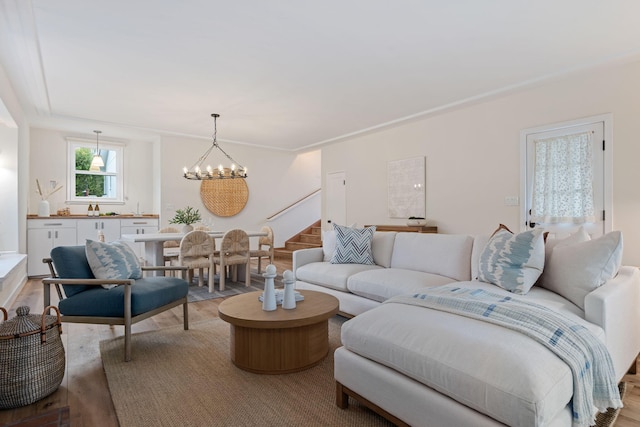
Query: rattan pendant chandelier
[197, 173]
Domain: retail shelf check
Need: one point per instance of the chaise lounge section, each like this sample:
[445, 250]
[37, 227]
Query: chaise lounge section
[422, 366]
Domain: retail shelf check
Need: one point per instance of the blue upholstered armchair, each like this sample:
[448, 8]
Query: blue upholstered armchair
[85, 300]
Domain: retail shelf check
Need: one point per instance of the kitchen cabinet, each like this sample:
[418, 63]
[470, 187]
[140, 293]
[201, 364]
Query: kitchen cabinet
[44, 235]
[90, 227]
[138, 226]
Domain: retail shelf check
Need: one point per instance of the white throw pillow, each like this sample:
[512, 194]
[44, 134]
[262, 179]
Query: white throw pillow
[578, 237]
[112, 261]
[512, 261]
[328, 244]
[574, 270]
[353, 245]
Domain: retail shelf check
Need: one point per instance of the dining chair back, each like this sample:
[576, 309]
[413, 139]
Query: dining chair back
[196, 252]
[265, 247]
[170, 248]
[234, 251]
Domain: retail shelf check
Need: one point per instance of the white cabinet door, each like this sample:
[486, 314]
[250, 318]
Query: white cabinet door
[89, 228]
[138, 226]
[42, 238]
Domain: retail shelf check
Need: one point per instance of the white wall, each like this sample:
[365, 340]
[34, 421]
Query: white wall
[473, 154]
[49, 162]
[276, 179]
[9, 240]
[14, 151]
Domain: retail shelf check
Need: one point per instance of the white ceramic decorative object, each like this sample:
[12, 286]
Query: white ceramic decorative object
[187, 228]
[289, 300]
[414, 222]
[43, 208]
[269, 295]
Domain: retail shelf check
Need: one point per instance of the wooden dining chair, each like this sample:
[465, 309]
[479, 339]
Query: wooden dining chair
[234, 251]
[197, 250]
[170, 248]
[265, 248]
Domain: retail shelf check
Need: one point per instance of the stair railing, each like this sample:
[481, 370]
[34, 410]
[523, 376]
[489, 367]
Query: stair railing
[293, 205]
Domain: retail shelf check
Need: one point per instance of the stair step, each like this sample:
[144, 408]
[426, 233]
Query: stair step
[311, 238]
[282, 253]
[294, 246]
[316, 231]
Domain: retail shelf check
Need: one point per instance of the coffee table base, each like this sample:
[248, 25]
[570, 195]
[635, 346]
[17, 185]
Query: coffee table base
[279, 350]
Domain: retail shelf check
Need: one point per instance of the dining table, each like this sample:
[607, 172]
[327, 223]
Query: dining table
[154, 242]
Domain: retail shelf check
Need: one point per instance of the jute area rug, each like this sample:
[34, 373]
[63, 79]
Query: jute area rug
[185, 378]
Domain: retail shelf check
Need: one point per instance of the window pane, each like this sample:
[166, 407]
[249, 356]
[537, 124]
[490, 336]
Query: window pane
[96, 186]
[83, 159]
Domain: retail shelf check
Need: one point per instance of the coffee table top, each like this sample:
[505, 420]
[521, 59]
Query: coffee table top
[246, 310]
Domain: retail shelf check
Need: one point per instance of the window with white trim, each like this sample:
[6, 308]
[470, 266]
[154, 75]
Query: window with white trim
[102, 186]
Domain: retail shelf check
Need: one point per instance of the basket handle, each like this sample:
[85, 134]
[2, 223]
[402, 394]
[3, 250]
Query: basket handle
[4, 311]
[43, 332]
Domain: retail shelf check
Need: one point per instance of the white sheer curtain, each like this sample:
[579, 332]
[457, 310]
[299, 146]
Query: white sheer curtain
[563, 180]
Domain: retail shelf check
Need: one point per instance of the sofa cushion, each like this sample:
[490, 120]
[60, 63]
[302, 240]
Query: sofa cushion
[382, 247]
[353, 245]
[328, 244]
[576, 269]
[513, 261]
[71, 262]
[146, 294]
[331, 275]
[380, 285]
[112, 261]
[579, 236]
[507, 375]
[443, 254]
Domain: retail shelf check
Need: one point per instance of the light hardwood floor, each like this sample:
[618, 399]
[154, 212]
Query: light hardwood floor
[84, 388]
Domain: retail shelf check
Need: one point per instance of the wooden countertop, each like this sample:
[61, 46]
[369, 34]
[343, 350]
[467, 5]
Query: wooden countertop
[79, 216]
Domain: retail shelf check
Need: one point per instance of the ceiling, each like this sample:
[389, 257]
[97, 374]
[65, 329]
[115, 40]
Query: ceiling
[290, 74]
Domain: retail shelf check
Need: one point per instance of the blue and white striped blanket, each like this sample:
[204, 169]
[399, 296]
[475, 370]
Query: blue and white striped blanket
[594, 383]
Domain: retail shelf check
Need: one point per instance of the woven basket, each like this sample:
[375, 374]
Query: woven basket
[32, 359]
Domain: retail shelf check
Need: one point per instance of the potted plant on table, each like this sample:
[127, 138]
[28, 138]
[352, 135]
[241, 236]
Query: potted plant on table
[186, 216]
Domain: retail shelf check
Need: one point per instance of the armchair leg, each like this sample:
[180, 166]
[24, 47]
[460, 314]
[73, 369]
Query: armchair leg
[185, 314]
[222, 276]
[127, 323]
[259, 264]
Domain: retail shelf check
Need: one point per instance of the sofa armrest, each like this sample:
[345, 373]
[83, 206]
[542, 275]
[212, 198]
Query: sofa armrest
[306, 256]
[614, 307]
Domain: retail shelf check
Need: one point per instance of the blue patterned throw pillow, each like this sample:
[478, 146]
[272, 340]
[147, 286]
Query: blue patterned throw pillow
[112, 261]
[512, 261]
[353, 245]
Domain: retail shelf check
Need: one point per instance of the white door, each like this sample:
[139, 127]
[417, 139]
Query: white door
[596, 130]
[336, 200]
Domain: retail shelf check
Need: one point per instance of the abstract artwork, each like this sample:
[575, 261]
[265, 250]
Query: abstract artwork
[406, 179]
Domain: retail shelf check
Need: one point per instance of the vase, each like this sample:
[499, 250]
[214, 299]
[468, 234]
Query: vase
[289, 300]
[187, 228]
[44, 209]
[269, 295]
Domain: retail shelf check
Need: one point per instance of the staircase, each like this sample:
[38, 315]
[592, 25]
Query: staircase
[310, 237]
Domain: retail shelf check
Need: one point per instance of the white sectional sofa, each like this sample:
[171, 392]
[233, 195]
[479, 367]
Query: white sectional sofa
[420, 366]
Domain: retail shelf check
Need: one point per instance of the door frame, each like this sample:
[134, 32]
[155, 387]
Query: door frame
[607, 120]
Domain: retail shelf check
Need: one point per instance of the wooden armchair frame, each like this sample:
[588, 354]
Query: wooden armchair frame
[128, 319]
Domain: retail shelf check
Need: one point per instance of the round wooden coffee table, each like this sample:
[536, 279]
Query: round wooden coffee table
[280, 341]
